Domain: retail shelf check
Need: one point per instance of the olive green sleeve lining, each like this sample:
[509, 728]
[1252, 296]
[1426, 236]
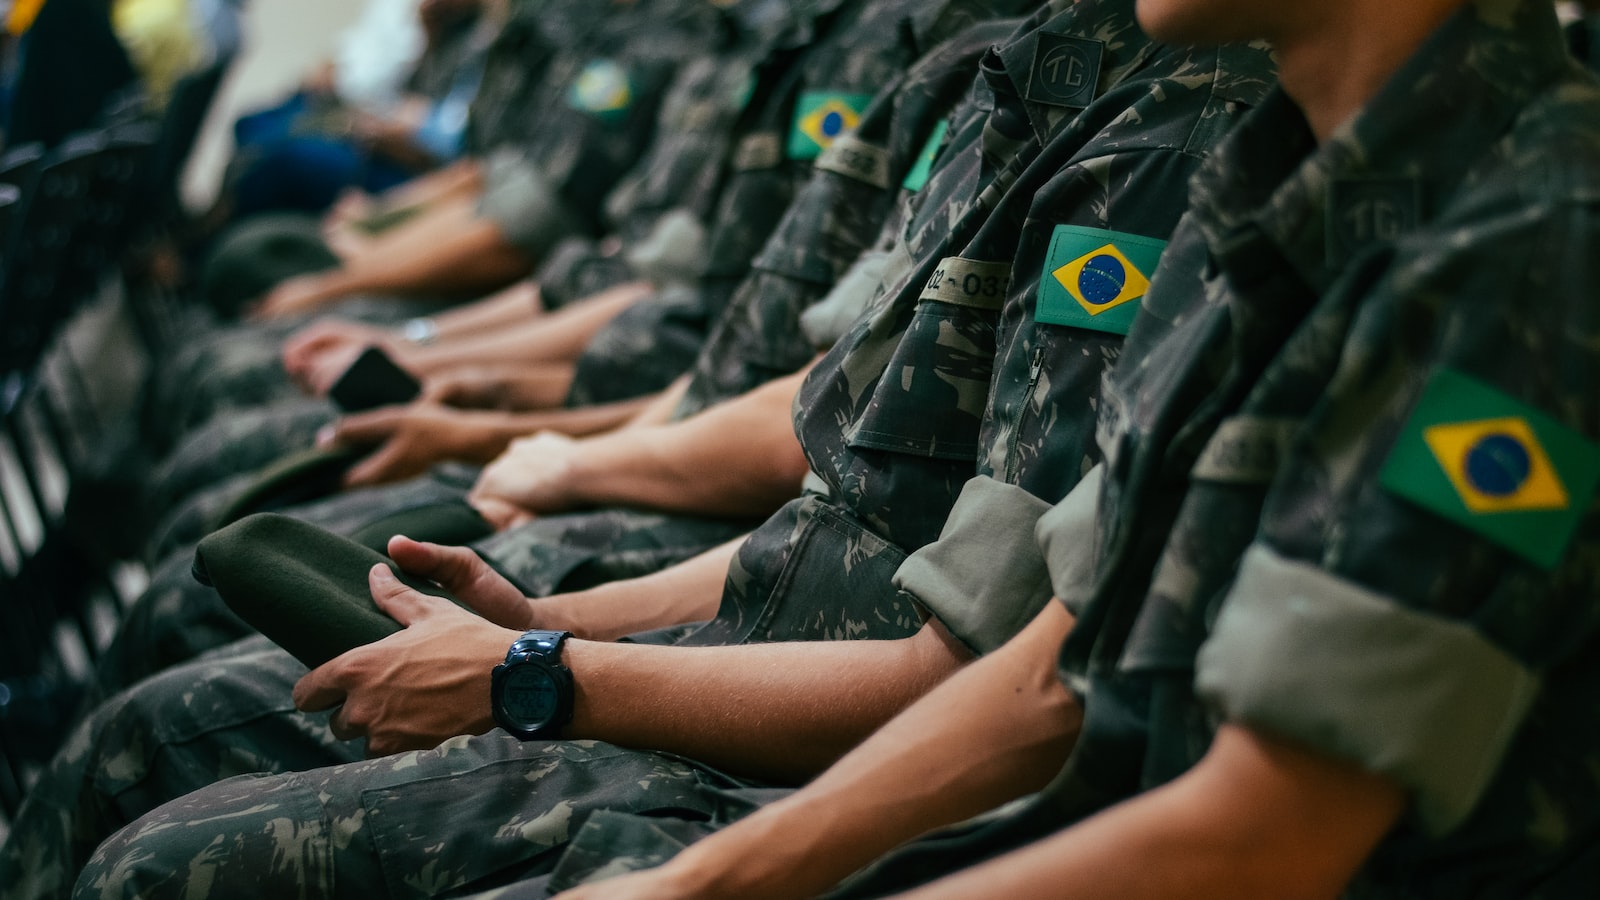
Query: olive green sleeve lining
[1424, 700]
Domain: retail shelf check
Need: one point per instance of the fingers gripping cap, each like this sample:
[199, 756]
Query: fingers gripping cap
[300, 585]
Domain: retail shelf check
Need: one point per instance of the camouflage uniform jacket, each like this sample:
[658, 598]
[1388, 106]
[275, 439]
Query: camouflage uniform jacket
[891, 418]
[834, 219]
[592, 115]
[663, 199]
[1350, 470]
[814, 84]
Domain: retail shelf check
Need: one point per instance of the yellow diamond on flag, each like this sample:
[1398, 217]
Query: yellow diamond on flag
[1496, 465]
[1102, 280]
[828, 121]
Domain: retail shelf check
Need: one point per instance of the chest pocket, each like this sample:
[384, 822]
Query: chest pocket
[935, 387]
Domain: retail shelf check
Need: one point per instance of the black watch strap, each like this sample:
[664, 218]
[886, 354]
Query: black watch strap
[538, 642]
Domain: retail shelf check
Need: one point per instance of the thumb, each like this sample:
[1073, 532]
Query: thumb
[395, 597]
[499, 513]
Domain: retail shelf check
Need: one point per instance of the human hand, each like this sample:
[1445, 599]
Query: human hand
[292, 296]
[467, 577]
[414, 688]
[534, 475]
[409, 439]
[316, 355]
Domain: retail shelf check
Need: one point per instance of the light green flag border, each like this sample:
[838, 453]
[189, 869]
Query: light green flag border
[1055, 306]
[1412, 473]
[801, 145]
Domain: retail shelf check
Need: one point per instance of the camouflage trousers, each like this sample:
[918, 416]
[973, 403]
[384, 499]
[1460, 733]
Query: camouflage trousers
[432, 821]
[216, 462]
[229, 711]
[468, 815]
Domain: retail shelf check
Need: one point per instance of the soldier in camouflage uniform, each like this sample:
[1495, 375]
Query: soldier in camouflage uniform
[577, 144]
[837, 216]
[1158, 86]
[1336, 591]
[741, 205]
[557, 549]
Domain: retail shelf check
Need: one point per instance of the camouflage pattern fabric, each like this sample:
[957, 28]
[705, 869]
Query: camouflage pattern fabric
[863, 50]
[634, 543]
[872, 560]
[227, 445]
[1268, 436]
[687, 159]
[581, 152]
[333, 840]
[835, 217]
[892, 419]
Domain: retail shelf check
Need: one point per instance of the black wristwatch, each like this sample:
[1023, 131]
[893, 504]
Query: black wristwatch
[531, 692]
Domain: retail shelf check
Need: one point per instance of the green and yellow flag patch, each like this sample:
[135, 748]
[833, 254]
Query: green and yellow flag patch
[602, 89]
[1093, 278]
[918, 176]
[820, 117]
[1494, 465]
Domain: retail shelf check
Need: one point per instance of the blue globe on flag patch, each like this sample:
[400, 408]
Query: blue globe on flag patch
[1102, 279]
[1498, 464]
[1095, 278]
[820, 118]
[1495, 465]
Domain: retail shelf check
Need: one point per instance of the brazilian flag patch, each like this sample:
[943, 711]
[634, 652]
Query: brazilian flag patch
[1094, 278]
[819, 117]
[602, 90]
[918, 176]
[1502, 469]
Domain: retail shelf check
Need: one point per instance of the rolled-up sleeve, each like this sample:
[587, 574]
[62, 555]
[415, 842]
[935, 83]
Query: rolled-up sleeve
[1001, 555]
[1423, 699]
[524, 205]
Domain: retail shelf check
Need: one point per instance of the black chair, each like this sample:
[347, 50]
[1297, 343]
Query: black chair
[100, 237]
[185, 113]
[31, 306]
[19, 166]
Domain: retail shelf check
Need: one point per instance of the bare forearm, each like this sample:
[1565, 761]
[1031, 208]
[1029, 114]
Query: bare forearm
[660, 409]
[575, 422]
[690, 591]
[739, 458]
[995, 731]
[1257, 817]
[446, 250]
[509, 306]
[776, 711]
[557, 336]
[461, 178]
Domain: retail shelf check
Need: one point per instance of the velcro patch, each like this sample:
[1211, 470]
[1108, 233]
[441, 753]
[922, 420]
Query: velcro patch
[1488, 462]
[1093, 278]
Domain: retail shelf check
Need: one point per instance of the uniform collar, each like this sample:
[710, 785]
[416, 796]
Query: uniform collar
[1458, 93]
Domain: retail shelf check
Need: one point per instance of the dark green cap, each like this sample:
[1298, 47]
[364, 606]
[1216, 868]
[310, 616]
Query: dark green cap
[302, 586]
[297, 478]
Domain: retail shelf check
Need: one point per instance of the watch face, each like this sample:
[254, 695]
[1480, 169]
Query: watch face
[528, 696]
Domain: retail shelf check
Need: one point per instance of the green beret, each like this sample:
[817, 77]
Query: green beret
[300, 585]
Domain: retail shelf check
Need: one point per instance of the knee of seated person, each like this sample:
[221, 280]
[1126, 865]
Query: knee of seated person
[223, 841]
